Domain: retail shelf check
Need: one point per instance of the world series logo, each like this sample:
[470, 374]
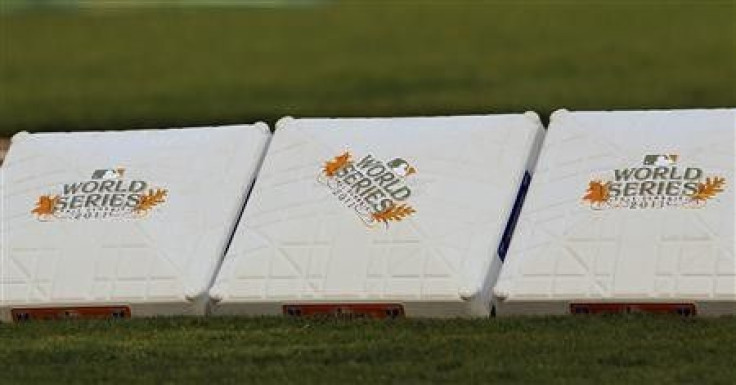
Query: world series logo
[660, 182]
[106, 195]
[376, 191]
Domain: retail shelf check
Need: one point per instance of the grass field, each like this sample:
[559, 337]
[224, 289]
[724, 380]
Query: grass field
[130, 68]
[601, 350]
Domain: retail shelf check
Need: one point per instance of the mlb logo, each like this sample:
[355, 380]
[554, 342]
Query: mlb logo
[401, 167]
[108, 173]
[660, 160]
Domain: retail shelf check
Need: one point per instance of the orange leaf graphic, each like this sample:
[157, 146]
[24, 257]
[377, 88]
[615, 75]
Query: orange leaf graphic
[597, 192]
[709, 189]
[45, 206]
[334, 165]
[148, 201]
[393, 213]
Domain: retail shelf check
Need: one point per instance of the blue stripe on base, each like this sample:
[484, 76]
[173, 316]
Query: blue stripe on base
[503, 247]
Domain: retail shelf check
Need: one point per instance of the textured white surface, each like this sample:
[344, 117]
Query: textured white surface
[297, 243]
[167, 257]
[563, 250]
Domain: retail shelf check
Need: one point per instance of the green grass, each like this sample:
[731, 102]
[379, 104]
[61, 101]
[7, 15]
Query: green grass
[601, 350]
[128, 68]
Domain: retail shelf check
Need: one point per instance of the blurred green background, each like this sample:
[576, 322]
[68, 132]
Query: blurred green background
[75, 65]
